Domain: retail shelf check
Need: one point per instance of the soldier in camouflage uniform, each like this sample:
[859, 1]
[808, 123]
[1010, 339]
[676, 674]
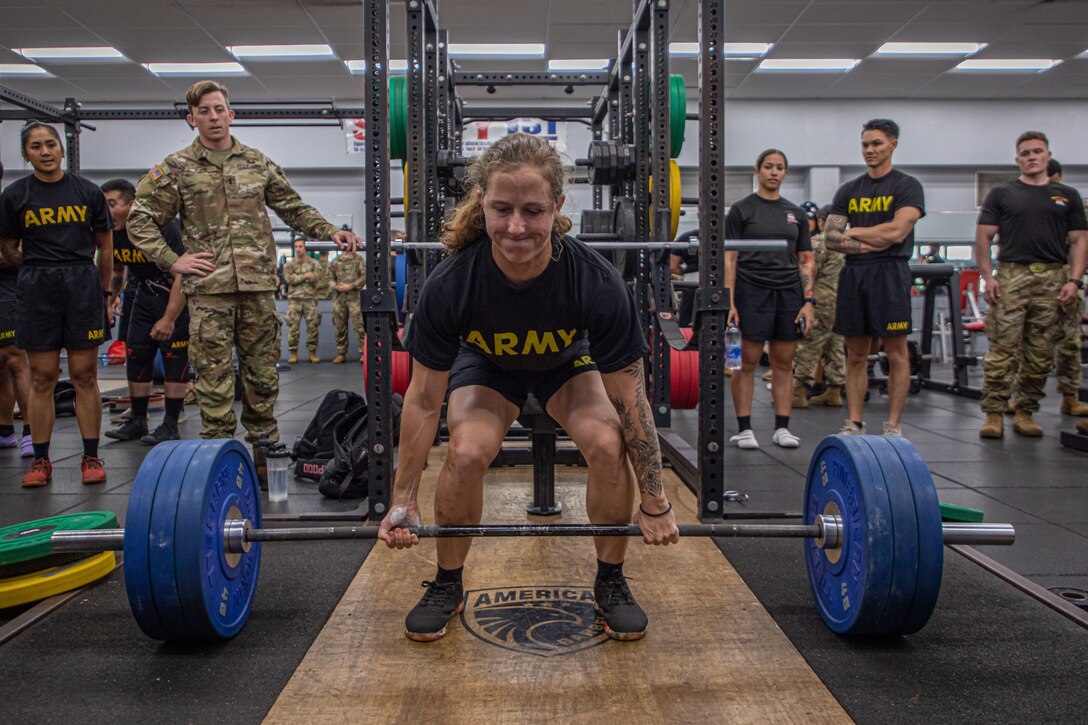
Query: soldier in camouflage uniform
[1067, 353]
[306, 281]
[1035, 287]
[822, 344]
[220, 188]
[347, 275]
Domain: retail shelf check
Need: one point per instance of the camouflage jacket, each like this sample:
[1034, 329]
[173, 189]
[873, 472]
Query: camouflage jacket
[223, 211]
[348, 269]
[828, 266]
[301, 287]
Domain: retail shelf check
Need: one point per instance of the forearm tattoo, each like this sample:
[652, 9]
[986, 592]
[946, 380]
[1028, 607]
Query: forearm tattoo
[640, 433]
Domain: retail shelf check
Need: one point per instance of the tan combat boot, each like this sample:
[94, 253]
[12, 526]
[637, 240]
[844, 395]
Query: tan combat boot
[1025, 426]
[314, 359]
[832, 397]
[293, 358]
[799, 398]
[1082, 427]
[993, 427]
[339, 359]
[1072, 406]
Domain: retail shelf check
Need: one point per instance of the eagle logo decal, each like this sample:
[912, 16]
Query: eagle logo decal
[546, 621]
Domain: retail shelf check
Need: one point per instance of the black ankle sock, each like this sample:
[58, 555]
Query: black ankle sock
[448, 576]
[139, 406]
[781, 421]
[7, 430]
[744, 422]
[607, 571]
[858, 423]
[173, 408]
[41, 450]
[26, 429]
[90, 447]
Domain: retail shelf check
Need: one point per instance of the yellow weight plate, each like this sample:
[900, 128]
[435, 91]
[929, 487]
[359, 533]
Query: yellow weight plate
[674, 198]
[41, 584]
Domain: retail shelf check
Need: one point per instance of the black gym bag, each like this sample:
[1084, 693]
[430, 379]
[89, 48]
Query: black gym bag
[314, 448]
[346, 474]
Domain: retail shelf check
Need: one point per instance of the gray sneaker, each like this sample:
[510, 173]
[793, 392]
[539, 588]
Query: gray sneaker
[130, 430]
[891, 429]
[167, 431]
[849, 428]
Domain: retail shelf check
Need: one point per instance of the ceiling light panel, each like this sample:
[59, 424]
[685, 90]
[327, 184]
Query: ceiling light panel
[71, 53]
[497, 50]
[195, 69]
[1008, 64]
[840, 65]
[319, 50]
[21, 69]
[746, 49]
[579, 64]
[930, 48]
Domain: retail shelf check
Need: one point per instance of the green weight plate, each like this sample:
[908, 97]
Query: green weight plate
[678, 114]
[40, 585]
[398, 117]
[30, 540]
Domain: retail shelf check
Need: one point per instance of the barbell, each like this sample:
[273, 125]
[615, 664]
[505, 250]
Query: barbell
[192, 537]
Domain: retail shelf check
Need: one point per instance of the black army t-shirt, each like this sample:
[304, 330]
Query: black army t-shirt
[867, 202]
[56, 221]
[467, 302]
[1033, 221]
[754, 217]
[140, 268]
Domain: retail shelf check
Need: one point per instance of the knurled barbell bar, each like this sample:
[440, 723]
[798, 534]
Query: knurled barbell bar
[605, 241]
[872, 531]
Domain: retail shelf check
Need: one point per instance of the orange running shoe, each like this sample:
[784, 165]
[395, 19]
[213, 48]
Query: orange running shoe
[40, 473]
[92, 469]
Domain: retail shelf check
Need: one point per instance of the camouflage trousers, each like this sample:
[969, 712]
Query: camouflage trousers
[1023, 329]
[820, 344]
[298, 309]
[345, 308]
[1066, 355]
[219, 326]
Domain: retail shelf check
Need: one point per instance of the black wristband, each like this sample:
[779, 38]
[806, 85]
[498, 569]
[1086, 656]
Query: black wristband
[811, 301]
[107, 294]
[1078, 283]
[647, 513]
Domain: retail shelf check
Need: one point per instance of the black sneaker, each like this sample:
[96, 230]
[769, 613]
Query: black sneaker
[167, 431]
[623, 617]
[130, 430]
[427, 620]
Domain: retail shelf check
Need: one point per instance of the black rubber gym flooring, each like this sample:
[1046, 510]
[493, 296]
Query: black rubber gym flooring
[990, 654]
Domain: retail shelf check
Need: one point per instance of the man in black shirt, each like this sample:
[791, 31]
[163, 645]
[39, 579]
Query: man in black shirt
[881, 207]
[1042, 226]
[684, 265]
[159, 323]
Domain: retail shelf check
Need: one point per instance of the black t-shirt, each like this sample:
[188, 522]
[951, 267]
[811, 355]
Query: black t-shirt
[754, 217]
[867, 202]
[56, 221]
[468, 302]
[9, 284]
[1033, 221]
[141, 268]
[689, 256]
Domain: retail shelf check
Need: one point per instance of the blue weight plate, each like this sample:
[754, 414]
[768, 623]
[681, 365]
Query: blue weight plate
[401, 266]
[930, 536]
[163, 538]
[905, 532]
[137, 534]
[216, 589]
[850, 584]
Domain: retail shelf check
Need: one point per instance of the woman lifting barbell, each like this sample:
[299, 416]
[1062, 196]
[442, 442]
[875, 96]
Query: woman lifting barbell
[518, 308]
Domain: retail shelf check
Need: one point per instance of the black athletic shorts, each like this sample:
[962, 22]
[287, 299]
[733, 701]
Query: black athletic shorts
[148, 307]
[128, 294]
[7, 321]
[60, 307]
[472, 368]
[767, 313]
[874, 299]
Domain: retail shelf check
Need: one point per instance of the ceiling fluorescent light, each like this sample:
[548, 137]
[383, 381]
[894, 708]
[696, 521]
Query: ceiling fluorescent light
[319, 50]
[1009, 64]
[358, 66]
[809, 64]
[746, 49]
[498, 50]
[82, 53]
[930, 48]
[195, 69]
[579, 64]
[21, 69]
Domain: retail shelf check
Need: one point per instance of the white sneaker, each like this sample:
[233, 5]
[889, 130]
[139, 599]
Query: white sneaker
[850, 429]
[892, 430]
[784, 439]
[746, 439]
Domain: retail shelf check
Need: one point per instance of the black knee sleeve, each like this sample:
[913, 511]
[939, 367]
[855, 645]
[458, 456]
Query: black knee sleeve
[139, 368]
[175, 365]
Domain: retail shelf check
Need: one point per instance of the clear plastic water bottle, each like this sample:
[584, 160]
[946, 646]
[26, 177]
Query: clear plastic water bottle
[732, 348]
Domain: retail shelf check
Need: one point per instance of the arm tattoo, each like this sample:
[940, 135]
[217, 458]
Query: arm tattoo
[640, 433]
[833, 229]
